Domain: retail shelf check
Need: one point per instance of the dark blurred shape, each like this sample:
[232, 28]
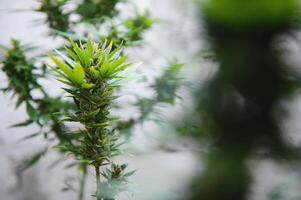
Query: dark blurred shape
[23, 75]
[90, 10]
[167, 85]
[238, 107]
[21, 70]
[56, 18]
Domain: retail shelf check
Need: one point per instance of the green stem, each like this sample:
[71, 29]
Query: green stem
[97, 183]
[82, 175]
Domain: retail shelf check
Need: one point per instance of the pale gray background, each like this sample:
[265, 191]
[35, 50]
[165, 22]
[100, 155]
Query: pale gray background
[163, 170]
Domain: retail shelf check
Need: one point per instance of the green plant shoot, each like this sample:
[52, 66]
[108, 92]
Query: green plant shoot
[90, 71]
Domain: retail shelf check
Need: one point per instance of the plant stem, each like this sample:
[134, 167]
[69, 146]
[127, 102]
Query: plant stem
[82, 175]
[97, 182]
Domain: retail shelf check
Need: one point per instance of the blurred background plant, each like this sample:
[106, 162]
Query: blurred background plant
[242, 107]
[23, 82]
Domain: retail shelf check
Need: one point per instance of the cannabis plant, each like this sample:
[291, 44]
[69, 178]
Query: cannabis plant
[56, 17]
[98, 14]
[23, 80]
[97, 10]
[20, 70]
[166, 87]
[24, 75]
[90, 72]
[137, 25]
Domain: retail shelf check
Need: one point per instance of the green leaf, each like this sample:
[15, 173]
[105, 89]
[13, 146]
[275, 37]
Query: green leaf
[71, 53]
[108, 49]
[68, 60]
[104, 69]
[119, 61]
[65, 68]
[129, 173]
[122, 67]
[90, 47]
[33, 160]
[71, 165]
[32, 112]
[78, 75]
[25, 123]
[101, 124]
[65, 82]
[57, 71]
[87, 85]
[94, 72]
[82, 57]
[30, 136]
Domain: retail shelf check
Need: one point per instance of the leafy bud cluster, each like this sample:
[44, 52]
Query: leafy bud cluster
[90, 71]
[21, 72]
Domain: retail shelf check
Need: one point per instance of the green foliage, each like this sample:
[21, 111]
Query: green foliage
[22, 78]
[115, 181]
[255, 13]
[31, 112]
[137, 25]
[33, 160]
[128, 32]
[146, 107]
[123, 35]
[96, 13]
[97, 10]
[89, 71]
[167, 85]
[56, 18]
